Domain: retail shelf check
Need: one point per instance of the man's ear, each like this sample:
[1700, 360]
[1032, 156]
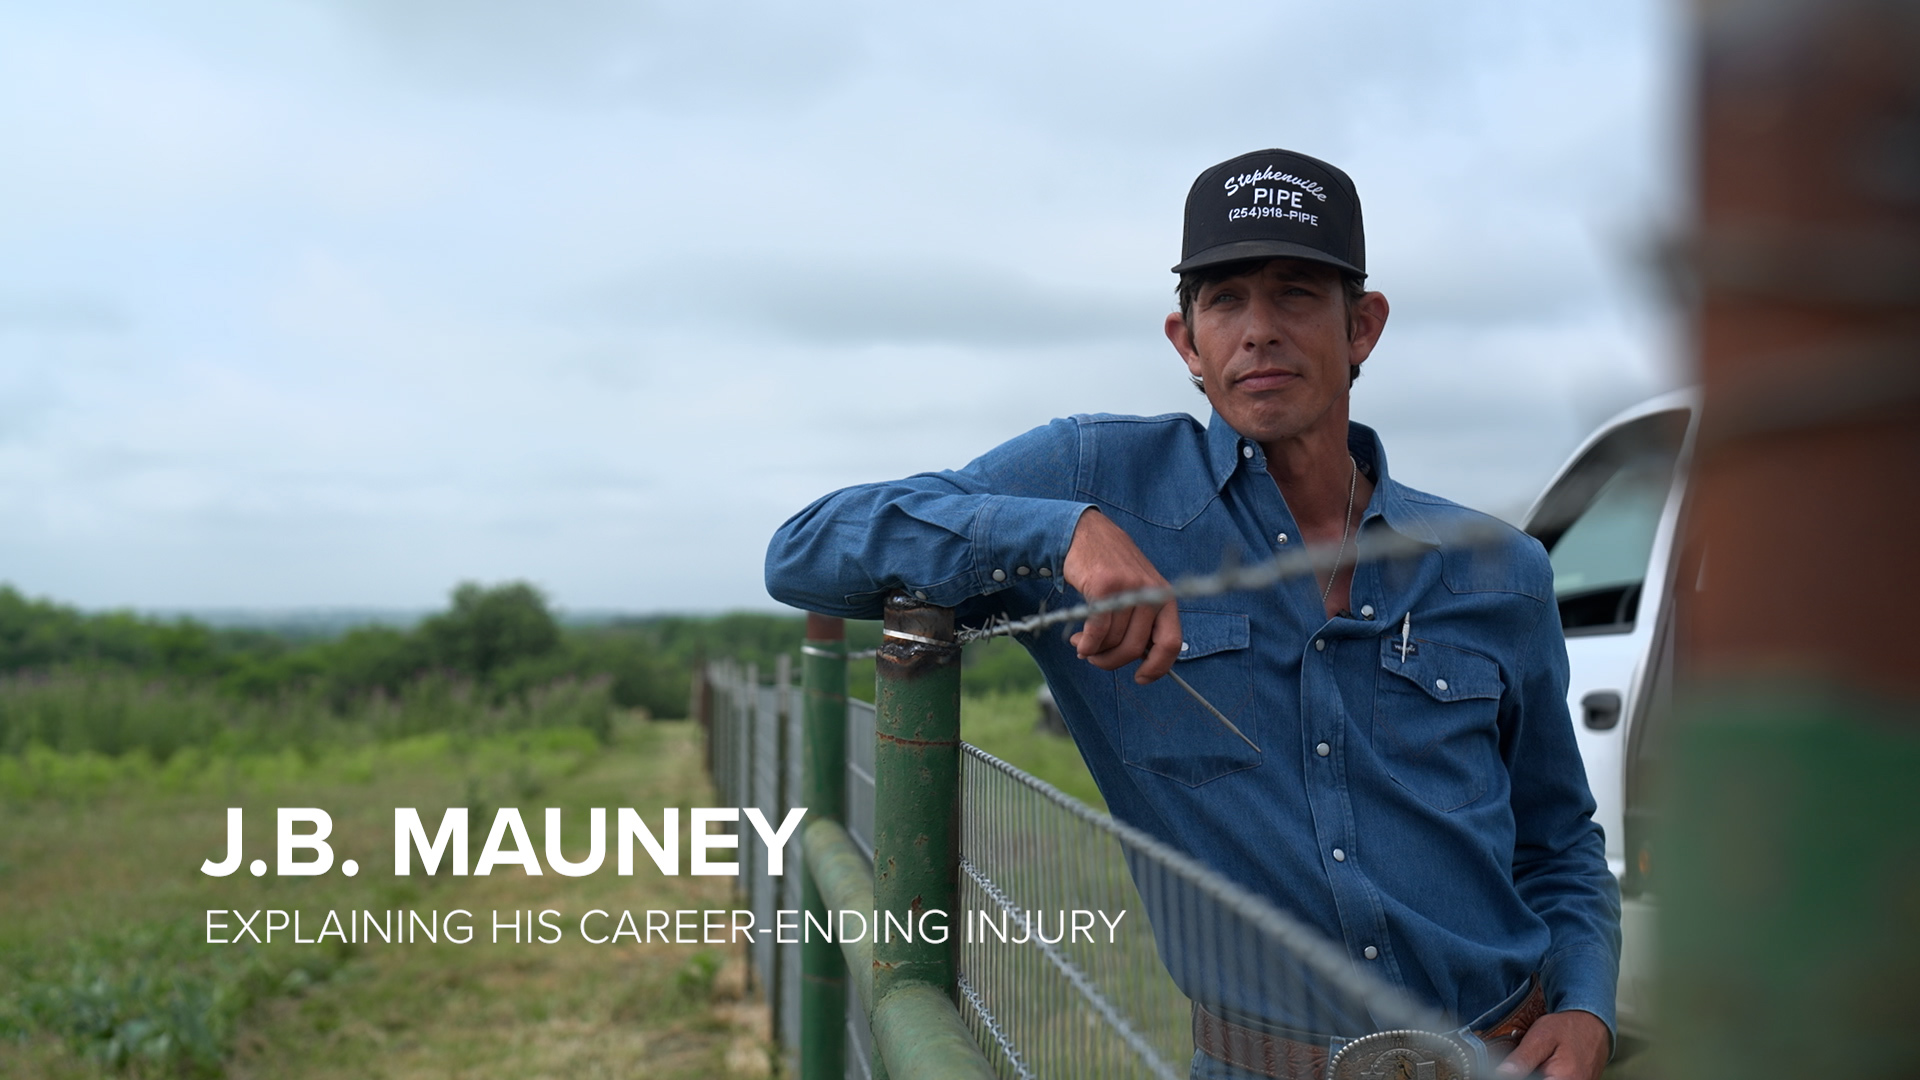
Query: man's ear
[1369, 319]
[1182, 341]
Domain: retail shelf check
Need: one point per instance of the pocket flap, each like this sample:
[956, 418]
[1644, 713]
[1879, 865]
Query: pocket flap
[1442, 671]
[1204, 633]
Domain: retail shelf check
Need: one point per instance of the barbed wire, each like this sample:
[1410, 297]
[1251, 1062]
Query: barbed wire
[1231, 577]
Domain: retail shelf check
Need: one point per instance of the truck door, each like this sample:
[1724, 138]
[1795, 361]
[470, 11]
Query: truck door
[1607, 522]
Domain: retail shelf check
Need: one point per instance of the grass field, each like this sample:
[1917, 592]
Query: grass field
[1003, 725]
[104, 969]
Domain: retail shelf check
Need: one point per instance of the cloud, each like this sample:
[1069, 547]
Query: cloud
[908, 301]
[62, 314]
[1485, 414]
[693, 56]
[344, 300]
[1472, 271]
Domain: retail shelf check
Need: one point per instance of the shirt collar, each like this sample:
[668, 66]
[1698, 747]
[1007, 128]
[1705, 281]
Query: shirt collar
[1229, 451]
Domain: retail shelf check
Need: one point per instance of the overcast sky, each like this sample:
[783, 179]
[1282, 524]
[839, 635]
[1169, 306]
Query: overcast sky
[339, 302]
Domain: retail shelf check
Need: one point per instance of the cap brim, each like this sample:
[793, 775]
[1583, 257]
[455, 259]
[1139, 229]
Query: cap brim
[1261, 249]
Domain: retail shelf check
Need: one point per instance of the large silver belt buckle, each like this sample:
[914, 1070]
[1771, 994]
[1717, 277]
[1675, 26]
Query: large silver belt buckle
[1401, 1055]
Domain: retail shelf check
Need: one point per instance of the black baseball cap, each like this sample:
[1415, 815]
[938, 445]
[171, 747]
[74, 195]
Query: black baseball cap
[1273, 204]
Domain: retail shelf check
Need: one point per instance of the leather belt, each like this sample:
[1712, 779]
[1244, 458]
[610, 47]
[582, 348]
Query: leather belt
[1281, 1057]
[1503, 1035]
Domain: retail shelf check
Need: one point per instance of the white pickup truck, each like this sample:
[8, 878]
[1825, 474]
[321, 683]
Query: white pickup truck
[1610, 520]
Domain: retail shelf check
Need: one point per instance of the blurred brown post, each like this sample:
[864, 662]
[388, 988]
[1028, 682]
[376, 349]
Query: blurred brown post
[1809, 266]
[1792, 868]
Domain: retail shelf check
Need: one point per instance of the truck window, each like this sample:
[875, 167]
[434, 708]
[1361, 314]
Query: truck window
[1599, 522]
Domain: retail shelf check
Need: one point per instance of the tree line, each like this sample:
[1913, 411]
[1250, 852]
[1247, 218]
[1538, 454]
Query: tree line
[504, 640]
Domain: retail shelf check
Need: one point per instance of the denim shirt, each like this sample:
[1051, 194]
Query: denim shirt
[1448, 779]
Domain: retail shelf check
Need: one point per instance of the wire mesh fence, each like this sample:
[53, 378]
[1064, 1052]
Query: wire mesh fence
[1050, 984]
[753, 730]
[1082, 945]
[754, 736]
[1058, 983]
[860, 808]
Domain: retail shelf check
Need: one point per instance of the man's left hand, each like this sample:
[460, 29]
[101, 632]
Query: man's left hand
[1571, 1045]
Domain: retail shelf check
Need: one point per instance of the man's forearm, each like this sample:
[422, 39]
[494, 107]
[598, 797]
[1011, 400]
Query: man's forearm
[927, 534]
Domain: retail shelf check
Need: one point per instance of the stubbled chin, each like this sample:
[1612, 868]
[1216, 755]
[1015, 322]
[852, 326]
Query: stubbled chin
[1268, 417]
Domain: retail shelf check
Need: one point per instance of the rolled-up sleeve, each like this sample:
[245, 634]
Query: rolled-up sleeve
[948, 536]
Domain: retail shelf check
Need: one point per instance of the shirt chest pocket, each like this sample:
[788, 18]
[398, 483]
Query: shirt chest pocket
[1436, 721]
[1164, 730]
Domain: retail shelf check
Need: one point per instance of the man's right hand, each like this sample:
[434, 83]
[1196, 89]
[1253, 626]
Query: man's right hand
[1104, 560]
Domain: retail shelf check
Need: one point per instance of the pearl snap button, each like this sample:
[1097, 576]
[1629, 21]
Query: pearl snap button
[1246, 451]
[918, 595]
[1323, 749]
[1366, 611]
[1046, 571]
[1319, 644]
[1339, 855]
[1183, 646]
[1439, 684]
[1370, 953]
[999, 575]
[1281, 539]
[1022, 571]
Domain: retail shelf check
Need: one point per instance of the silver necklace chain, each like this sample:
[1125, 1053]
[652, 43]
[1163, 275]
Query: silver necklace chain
[1346, 528]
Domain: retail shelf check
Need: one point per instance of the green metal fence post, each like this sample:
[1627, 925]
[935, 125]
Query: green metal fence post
[918, 1033]
[787, 795]
[823, 972]
[916, 833]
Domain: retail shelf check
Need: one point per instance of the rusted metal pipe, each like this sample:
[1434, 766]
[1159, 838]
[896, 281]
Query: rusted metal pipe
[834, 861]
[925, 1038]
[916, 833]
[917, 1032]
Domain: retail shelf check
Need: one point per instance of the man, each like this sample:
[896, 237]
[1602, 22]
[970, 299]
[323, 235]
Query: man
[1409, 782]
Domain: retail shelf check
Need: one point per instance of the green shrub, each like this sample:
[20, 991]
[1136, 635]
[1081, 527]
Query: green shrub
[998, 666]
[152, 998]
[476, 665]
[116, 714]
